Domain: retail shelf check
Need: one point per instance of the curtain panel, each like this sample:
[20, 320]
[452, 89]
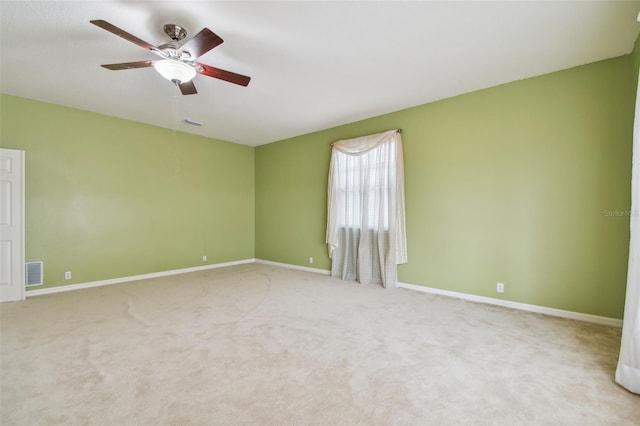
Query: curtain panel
[628, 370]
[366, 231]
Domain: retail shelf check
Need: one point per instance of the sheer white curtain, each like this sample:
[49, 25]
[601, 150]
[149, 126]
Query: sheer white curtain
[366, 234]
[628, 371]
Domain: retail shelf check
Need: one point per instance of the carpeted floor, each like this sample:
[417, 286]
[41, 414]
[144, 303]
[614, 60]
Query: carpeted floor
[261, 345]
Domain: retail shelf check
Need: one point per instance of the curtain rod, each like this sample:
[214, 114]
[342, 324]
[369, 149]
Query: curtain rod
[398, 130]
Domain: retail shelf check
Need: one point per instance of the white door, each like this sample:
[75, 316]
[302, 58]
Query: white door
[11, 225]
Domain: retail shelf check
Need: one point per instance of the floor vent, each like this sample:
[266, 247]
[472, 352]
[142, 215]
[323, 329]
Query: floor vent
[33, 273]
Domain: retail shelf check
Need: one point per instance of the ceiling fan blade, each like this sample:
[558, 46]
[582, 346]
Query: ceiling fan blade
[122, 33]
[201, 43]
[128, 65]
[188, 88]
[221, 74]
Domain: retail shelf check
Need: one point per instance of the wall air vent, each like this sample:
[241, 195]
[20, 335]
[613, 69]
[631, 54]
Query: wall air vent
[33, 273]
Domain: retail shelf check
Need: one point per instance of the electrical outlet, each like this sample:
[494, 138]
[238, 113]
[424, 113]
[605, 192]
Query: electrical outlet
[204, 258]
[311, 260]
[500, 288]
[67, 275]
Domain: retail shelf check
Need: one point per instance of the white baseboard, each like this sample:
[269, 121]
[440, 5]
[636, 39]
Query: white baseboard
[614, 322]
[290, 266]
[71, 287]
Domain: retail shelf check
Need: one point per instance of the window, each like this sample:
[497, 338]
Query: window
[365, 225]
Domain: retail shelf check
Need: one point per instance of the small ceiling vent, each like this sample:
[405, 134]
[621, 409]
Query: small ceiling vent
[33, 273]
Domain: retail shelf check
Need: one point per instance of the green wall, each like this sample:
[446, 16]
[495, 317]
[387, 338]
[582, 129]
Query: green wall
[521, 183]
[635, 62]
[109, 198]
[525, 183]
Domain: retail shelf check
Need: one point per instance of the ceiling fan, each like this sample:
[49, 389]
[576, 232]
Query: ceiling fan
[178, 61]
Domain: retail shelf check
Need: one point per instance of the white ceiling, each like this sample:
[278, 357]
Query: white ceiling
[314, 65]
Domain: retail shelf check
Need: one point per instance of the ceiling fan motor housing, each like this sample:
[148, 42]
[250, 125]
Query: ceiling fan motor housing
[171, 51]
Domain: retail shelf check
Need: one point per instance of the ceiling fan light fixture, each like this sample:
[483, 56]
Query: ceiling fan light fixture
[175, 71]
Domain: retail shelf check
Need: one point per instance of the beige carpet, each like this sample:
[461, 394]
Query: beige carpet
[261, 345]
